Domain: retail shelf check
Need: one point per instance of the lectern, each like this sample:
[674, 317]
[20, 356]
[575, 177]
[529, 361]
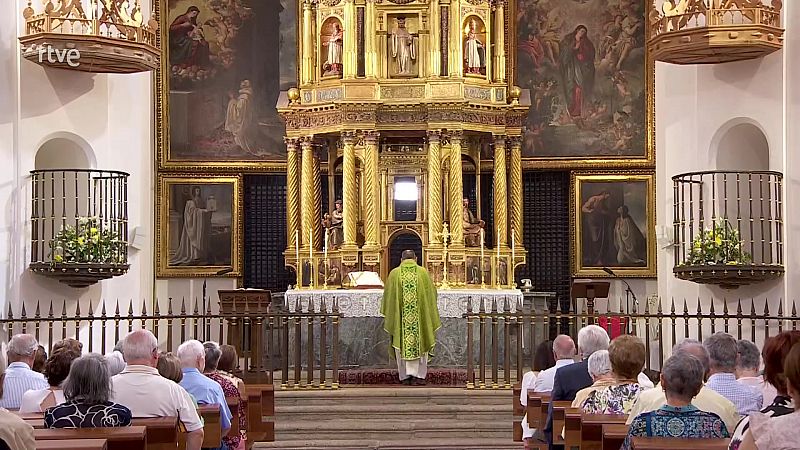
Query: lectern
[590, 290]
[239, 306]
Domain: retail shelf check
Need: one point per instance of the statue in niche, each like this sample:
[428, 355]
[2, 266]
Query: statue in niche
[403, 49]
[474, 51]
[334, 222]
[334, 43]
[472, 226]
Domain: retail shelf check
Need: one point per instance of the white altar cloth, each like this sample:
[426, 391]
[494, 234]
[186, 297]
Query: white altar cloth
[367, 302]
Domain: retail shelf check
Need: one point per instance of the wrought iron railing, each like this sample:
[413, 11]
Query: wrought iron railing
[728, 223]
[501, 343]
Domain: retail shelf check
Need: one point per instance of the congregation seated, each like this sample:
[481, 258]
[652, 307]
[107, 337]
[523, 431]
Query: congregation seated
[748, 372]
[18, 377]
[706, 399]
[56, 369]
[723, 354]
[88, 391]
[228, 361]
[776, 351]
[205, 391]
[627, 354]
[599, 366]
[681, 379]
[543, 359]
[147, 394]
[564, 355]
[231, 390]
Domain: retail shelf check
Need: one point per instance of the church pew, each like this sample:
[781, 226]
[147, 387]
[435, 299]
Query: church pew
[534, 409]
[661, 443]
[162, 432]
[121, 438]
[260, 412]
[233, 406]
[559, 419]
[517, 409]
[592, 429]
[614, 435]
[212, 425]
[572, 427]
[73, 444]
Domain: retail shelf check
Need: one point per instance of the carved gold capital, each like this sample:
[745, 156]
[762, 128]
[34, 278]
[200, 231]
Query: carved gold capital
[456, 136]
[348, 137]
[434, 136]
[371, 137]
[515, 141]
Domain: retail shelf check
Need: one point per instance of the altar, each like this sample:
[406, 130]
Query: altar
[363, 341]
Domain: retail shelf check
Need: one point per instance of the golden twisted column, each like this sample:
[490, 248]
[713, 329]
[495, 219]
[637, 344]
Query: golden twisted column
[434, 187]
[307, 187]
[317, 227]
[292, 192]
[456, 190]
[372, 219]
[500, 195]
[515, 187]
[350, 189]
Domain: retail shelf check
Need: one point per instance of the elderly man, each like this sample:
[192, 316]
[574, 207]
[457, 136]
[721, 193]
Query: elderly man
[207, 392]
[564, 354]
[19, 377]
[574, 377]
[706, 399]
[148, 394]
[748, 365]
[722, 355]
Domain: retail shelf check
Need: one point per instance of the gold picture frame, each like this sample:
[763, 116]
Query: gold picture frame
[166, 159]
[588, 162]
[199, 226]
[614, 218]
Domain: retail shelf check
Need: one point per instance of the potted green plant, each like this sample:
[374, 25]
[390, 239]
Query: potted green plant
[720, 244]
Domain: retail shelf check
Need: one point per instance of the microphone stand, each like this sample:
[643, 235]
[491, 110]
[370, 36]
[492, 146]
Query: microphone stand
[628, 294]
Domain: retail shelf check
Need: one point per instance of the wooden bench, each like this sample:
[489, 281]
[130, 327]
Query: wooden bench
[661, 443]
[73, 444]
[212, 425]
[260, 413]
[162, 432]
[572, 427]
[559, 419]
[614, 435]
[518, 411]
[233, 406]
[121, 438]
[592, 428]
[534, 409]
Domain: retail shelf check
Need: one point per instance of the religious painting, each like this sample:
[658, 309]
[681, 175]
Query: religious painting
[614, 224]
[223, 68]
[331, 43]
[590, 80]
[403, 43]
[198, 226]
[474, 47]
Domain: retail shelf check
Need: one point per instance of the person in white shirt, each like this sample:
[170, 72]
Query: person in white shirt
[148, 394]
[19, 378]
[564, 352]
[542, 360]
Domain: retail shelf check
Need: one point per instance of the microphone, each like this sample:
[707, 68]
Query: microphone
[609, 271]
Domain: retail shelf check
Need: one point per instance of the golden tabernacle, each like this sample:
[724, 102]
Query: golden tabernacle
[399, 100]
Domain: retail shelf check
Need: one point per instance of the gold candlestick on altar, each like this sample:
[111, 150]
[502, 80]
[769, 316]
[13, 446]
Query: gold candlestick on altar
[480, 264]
[325, 260]
[445, 234]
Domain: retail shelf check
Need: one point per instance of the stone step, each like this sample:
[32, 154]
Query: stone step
[403, 395]
[356, 410]
[400, 444]
[393, 428]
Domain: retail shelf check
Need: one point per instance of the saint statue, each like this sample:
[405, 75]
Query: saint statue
[194, 243]
[472, 226]
[474, 52]
[403, 50]
[334, 222]
[333, 65]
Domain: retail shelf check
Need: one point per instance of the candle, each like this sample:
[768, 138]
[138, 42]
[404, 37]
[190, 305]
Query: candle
[325, 248]
[297, 255]
[311, 245]
[513, 256]
[497, 245]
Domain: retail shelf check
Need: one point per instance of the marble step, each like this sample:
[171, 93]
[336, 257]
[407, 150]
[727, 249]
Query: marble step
[399, 410]
[394, 395]
[400, 444]
[392, 428]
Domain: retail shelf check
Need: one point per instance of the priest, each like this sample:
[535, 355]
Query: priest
[411, 318]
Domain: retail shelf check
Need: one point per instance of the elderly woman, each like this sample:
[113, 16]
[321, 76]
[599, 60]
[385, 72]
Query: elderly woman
[778, 433]
[776, 351]
[681, 378]
[88, 390]
[599, 365]
[627, 354]
[56, 369]
[231, 390]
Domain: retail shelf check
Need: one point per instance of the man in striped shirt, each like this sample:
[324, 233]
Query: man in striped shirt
[19, 378]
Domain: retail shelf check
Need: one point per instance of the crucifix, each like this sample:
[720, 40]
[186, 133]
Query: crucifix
[445, 235]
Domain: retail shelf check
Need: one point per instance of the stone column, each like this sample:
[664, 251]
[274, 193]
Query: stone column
[456, 190]
[307, 190]
[292, 192]
[350, 190]
[434, 206]
[499, 42]
[515, 187]
[500, 195]
[372, 217]
[307, 65]
[316, 214]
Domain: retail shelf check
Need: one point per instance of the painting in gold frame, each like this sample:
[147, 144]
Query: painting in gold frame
[614, 223]
[223, 66]
[612, 124]
[198, 223]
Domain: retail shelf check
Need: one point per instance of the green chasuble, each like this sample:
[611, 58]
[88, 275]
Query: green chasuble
[410, 311]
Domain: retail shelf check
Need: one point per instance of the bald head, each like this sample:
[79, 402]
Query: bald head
[140, 348]
[563, 347]
[694, 348]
